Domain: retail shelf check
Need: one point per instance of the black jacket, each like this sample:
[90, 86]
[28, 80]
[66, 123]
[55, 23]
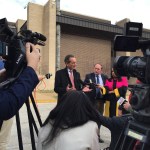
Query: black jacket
[62, 80]
[91, 77]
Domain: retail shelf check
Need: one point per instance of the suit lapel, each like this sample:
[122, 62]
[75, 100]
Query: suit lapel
[93, 78]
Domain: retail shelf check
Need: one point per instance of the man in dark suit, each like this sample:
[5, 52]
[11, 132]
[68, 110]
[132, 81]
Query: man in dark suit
[97, 77]
[68, 78]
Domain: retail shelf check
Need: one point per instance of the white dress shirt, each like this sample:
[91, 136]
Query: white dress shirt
[100, 80]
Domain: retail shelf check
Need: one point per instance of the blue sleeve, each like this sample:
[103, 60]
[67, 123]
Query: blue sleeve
[12, 99]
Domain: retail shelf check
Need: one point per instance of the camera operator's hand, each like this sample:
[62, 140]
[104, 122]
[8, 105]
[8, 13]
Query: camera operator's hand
[127, 106]
[33, 57]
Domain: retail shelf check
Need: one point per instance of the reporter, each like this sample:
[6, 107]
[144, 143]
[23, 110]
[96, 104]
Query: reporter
[71, 125]
[12, 99]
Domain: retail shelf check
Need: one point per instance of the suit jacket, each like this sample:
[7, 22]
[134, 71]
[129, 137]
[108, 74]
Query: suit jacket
[91, 77]
[62, 80]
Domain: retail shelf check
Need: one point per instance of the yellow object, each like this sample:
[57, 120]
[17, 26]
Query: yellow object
[103, 90]
[106, 111]
[116, 92]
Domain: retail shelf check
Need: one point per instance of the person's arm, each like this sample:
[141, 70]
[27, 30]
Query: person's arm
[127, 106]
[113, 123]
[13, 98]
[87, 79]
[119, 112]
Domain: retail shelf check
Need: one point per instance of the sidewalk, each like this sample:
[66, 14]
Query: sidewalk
[46, 102]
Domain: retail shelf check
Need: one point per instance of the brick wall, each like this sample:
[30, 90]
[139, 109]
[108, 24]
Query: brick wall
[88, 51]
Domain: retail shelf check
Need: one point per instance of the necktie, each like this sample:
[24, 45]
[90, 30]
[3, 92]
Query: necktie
[97, 79]
[98, 94]
[72, 79]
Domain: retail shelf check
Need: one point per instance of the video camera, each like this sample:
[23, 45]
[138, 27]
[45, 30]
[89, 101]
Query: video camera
[135, 66]
[12, 50]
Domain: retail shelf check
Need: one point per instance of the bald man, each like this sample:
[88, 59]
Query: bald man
[97, 77]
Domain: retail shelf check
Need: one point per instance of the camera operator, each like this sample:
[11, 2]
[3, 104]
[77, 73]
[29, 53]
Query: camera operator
[12, 99]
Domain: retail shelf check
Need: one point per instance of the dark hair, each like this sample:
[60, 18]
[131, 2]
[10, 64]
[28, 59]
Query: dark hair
[66, 60]
[117, 77]
[73, 110]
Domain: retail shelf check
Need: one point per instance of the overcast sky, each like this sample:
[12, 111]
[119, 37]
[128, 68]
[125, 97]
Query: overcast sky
[113, 10]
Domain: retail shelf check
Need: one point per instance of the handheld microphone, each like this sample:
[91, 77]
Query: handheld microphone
[48, 75]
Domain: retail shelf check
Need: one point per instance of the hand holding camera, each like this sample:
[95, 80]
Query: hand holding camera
[32, 57]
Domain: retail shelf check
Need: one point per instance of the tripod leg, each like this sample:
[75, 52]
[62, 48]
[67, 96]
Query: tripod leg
[30, 125]
[34, 124]
[36, 110]
[19, 131]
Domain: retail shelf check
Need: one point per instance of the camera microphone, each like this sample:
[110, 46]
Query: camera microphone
[39, 36]
[34, 34]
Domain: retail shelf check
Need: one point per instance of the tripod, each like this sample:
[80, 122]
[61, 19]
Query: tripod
[31, 123]
[135, 132]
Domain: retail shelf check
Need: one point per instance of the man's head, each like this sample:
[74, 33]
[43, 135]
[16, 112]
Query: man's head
[70, 62]
[98, 69]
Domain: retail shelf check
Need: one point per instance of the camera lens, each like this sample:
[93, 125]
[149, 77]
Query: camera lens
[130, 66]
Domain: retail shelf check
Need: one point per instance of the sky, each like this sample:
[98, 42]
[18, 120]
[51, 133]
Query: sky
[112, 10]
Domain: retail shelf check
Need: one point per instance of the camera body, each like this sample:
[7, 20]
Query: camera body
[12, 50]
[135, 66]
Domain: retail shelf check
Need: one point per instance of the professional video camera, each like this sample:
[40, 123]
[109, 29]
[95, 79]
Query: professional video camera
[135, 66]
[139, 67]
[12, 50]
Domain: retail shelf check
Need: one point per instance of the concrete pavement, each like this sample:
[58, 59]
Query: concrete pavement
[44, 109]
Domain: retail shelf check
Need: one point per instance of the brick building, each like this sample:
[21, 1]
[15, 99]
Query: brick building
[89, 39]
